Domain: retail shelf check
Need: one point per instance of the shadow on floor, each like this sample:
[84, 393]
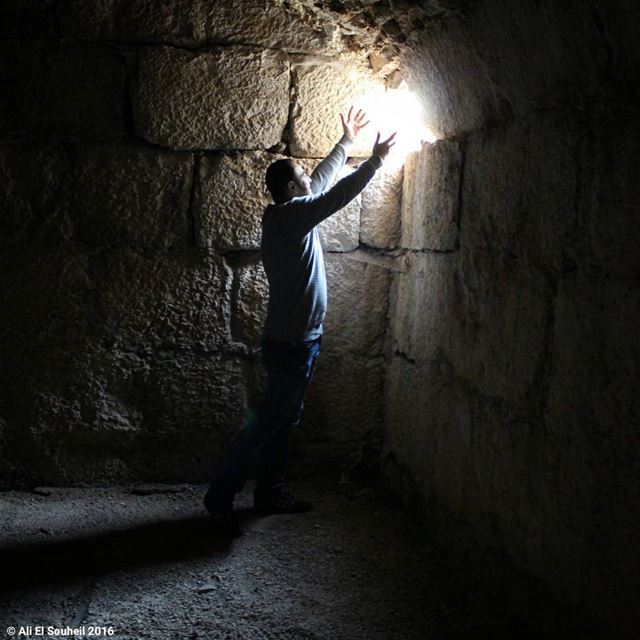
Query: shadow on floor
[61, 561]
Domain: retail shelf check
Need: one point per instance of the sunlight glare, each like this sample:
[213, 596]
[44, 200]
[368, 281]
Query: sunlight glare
[398, 110]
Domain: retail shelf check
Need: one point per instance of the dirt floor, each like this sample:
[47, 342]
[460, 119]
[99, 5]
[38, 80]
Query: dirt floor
[142, 562]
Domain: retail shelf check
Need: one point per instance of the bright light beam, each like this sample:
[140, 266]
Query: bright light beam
[398, 110]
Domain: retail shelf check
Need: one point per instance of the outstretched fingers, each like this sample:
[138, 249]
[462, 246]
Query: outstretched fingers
[390, 140]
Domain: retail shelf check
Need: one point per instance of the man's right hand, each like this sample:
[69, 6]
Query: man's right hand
[381, 149]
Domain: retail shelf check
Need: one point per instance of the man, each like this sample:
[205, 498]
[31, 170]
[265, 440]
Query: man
[293, 261]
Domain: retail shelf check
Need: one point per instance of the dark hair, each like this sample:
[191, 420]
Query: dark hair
[277, 178]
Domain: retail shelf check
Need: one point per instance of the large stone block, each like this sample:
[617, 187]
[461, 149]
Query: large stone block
[529, 60]
[114, 297]
[190, 393]
[230, 199]
[430, 197]
[450, 77]
[71, 90]
[172, 302]
[429, 430]
[322, 92]
[138, 21]
[106, 414]
[129, 195]
[267, 23]
[43, 299]
[488, 315]
[344, 402]
[519, 189]
[380, 217]
[30, 181]
[357, 306]
[498, 59]
[249, 304]
[214, 98]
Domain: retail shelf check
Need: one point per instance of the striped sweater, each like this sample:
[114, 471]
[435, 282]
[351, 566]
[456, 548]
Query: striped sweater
[291, 250]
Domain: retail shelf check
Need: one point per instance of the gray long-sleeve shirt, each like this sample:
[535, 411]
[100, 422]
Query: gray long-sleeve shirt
[291, 250]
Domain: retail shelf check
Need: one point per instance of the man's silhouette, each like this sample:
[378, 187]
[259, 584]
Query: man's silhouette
[293, 261]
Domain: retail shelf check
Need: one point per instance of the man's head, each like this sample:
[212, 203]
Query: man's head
[285, 180]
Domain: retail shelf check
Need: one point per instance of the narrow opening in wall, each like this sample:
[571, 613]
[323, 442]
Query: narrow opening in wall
[398, 109]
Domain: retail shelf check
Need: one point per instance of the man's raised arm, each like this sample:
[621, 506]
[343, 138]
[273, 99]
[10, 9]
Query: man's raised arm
[308, 211]
[326, 171]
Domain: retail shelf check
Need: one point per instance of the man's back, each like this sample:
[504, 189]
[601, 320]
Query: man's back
[292, 253]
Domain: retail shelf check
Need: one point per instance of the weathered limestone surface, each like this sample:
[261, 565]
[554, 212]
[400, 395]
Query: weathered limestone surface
[495, 60]
[196, 22]
[93, 408]
[215, 98]
[71, 90]
[144, 21]
[483, 311]
[380, 217]
[539, 471]
[528, 57]
[487, 464]
[230, 199]
[268, 24]
[519, 188]
[344, 403]
[30, 178]
[430, 197]
[510, 402]
[54, 193]
[81, 352]
[357, 306]
[434, 63]
[249, 305]
[42, 295]
[119, 297]
[106, 207]
[322, 92]
[166, 302]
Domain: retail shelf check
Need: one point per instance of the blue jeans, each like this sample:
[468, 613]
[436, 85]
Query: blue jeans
[265, 440]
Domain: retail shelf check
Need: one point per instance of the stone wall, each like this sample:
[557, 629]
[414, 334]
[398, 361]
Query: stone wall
[134, 138]
[132, 293]
[511, 402]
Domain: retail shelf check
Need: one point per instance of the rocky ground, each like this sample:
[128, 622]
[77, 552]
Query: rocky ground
[141, 560]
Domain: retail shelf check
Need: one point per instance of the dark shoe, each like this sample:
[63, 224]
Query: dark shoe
[283, 503]
[224, 522]
[223, 519]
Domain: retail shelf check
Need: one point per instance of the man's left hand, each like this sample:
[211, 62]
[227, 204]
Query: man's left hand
[353, 127]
